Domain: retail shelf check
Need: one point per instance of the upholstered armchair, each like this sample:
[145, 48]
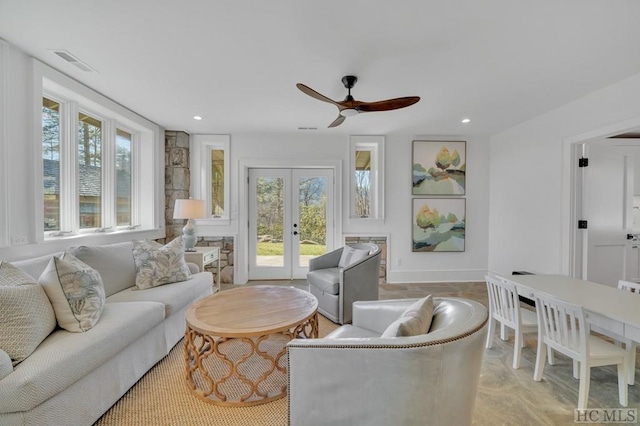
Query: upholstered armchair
[356, 377]
[343, 276]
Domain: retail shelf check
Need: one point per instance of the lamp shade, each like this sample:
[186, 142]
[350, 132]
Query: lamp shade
[189, 209]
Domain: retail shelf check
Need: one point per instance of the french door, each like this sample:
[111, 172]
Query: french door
[290, 220]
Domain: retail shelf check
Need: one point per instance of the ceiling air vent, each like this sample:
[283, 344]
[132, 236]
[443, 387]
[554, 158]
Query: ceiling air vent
[73, 60]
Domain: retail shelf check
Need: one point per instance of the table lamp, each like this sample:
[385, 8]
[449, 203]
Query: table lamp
[189, 209]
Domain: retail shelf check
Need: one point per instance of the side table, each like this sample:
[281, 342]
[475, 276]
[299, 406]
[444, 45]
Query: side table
[203, 256]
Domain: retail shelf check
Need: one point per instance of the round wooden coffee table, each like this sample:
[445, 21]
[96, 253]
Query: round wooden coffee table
[236, 342]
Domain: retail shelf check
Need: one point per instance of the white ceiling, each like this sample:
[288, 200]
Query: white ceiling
[236, 63]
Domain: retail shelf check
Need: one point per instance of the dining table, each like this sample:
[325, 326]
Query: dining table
[605, 307]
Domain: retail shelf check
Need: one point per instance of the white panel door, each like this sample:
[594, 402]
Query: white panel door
[607, 204]
[291, 220]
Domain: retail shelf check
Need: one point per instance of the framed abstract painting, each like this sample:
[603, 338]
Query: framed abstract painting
[438, 224]
[439, 167]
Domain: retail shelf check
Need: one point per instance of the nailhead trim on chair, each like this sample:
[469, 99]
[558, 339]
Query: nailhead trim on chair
[414, 345]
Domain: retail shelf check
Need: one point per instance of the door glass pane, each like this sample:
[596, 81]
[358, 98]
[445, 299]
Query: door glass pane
[51, 163]
[123, 177]
[217, 182]
[312, 218]
[270, 221]
[363, 184]
[90, 171]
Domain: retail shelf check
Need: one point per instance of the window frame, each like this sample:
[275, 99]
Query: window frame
[147, 159]
[4, 140]
[200, 147]
[375, 145]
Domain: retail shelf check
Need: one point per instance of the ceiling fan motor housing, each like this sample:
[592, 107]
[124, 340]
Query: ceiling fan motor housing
[349, 81]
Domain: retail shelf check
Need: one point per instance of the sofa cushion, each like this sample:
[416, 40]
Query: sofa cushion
[157, 264]
[35, 266]
[114, 263]
[26, 315]
[76, 292]
[327, 280]
[351, 255]
[174, 296]
[63, 358]
[415, 320]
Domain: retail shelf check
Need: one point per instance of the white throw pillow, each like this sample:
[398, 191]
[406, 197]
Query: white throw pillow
[415, 320]
[157, 264]
[76, 292]
[6, 366]
[351, 255]
[26, 315]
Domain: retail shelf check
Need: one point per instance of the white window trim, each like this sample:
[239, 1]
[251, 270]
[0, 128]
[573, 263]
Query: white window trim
[200, 147]
[4, 157]
[374, 144]
[147, 157]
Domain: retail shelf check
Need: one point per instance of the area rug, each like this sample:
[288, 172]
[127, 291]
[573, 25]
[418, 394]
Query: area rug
[162, 398]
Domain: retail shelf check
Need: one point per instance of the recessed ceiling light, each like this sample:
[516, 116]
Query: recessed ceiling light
[197, 117]
[465, 120]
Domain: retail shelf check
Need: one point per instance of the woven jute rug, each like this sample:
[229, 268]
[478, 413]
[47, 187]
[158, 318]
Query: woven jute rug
[162, 397]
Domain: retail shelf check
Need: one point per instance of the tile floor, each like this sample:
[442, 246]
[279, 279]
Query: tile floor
[507, 396]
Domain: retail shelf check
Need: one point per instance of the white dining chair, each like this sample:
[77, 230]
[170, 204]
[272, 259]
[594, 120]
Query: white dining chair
[563, 327]
[629, 344]
[504, 308]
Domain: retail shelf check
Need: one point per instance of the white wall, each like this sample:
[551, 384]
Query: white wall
[530, 214]
[402, 264]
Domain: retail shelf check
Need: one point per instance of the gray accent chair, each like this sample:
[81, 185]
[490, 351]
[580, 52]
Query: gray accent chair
[337, 288]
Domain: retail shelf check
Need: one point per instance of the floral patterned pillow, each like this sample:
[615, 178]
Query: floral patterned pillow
[76, 292]
[157, 264]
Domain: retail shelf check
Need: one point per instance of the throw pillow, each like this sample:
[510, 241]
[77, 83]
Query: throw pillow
[76, 292]
[157, 264]
[26, 315]
[351, 255]
[6, 366]
[415, 320]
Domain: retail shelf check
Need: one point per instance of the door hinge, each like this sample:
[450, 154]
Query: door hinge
[582, 224]
[583, 162]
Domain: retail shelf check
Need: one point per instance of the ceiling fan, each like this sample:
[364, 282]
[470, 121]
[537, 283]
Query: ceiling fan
[350, 107]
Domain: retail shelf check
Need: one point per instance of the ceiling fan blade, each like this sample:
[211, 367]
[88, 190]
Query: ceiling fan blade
[388, 105]
[309, 91]
[338, 121]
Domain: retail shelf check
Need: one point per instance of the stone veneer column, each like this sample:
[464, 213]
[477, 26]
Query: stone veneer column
[380, 242]
[177, 178]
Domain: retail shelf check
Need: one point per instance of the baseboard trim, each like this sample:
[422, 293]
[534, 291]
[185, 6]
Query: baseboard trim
[436, 276]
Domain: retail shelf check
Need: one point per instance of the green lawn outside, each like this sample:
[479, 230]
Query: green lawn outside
[277, 249]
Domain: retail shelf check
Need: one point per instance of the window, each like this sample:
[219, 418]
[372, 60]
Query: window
[366, 177]
[123, 178]
[210, 175]
[217, 182]
[90, 171]
[94, 154]
[51, 163]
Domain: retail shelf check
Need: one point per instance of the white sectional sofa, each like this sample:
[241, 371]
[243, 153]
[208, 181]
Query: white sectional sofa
[74, 378]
